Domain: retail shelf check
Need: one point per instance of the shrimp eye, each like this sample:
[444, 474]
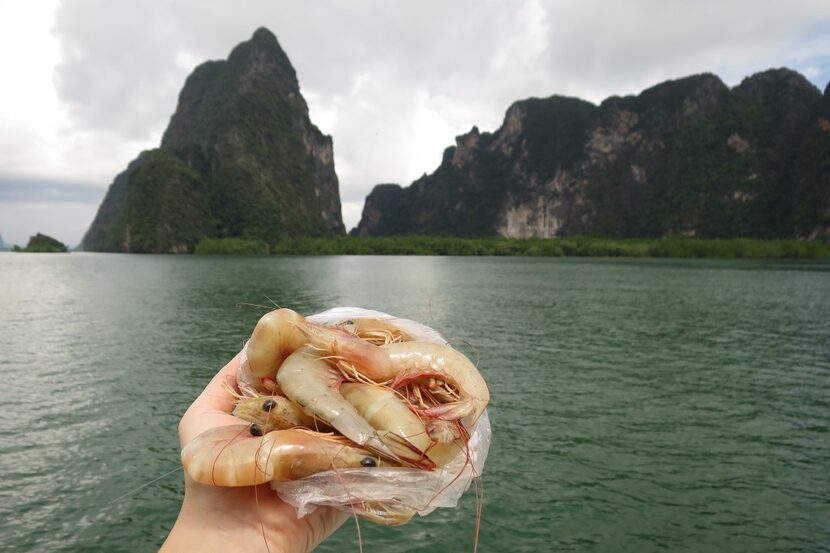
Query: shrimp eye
[268, 405]
[256, 430]
[368, 462]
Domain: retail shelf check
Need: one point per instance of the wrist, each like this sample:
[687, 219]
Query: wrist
[207, 525]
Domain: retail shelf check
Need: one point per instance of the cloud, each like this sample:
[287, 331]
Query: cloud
[29, 189]
[392, 82]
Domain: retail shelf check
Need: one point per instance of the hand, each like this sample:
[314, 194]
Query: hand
[238, 519]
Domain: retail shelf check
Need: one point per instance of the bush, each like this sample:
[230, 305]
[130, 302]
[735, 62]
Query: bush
[539, 247]
[231, 246]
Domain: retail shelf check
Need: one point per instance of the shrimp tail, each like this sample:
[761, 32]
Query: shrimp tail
[405, 452]
[449, 411]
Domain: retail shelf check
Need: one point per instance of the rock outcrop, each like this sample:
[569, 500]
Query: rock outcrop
[240, 158]
[687, 157]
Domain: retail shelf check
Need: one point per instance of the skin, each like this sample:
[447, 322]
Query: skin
[250, 519]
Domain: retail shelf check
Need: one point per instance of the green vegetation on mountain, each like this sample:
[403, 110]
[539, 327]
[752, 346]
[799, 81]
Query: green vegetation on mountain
[41, 243]
[239, 159]
[689, 157]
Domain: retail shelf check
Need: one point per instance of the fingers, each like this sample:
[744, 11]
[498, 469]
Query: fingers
[213, 406]
[322, 523]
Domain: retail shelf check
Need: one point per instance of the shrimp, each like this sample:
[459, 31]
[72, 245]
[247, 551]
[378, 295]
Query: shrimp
[313, 384]
[272, 413]
[435, 443]
[397, 425]
[230, 456]
[453, 387]
[383, 513]
[276, 336]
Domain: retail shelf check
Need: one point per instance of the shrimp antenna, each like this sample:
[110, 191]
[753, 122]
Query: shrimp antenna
[141, 487]
[244, 304]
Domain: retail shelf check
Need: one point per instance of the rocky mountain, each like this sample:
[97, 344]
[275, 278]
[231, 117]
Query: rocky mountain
[686, 157]
[240, 158]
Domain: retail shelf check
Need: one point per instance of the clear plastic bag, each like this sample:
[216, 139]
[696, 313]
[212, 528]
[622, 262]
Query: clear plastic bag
[413, 489]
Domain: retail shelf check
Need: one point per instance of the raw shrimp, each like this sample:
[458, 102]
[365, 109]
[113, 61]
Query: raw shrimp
[313, 384]
[443, 373]
[439, 373]
[231, 456]
[273, 413]
[276, 336]
[397, 424]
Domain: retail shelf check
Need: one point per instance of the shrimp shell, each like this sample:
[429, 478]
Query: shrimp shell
[313, 384]
[397, 424]
[403, 363]
[276, 335]
[230, 456]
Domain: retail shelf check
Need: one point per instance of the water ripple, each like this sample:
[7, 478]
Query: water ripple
[638, 405]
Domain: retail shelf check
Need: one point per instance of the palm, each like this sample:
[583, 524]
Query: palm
[253, 514]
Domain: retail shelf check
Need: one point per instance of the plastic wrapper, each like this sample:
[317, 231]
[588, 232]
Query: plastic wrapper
[417, 490]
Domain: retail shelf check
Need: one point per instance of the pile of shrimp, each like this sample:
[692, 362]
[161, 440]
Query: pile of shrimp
[364, 411]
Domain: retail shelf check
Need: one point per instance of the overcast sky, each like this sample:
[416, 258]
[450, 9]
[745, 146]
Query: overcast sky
[88, 84]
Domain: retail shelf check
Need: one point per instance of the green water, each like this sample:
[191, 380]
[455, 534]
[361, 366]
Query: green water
[637, 405]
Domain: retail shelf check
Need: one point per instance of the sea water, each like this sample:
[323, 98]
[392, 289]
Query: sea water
[637, 405]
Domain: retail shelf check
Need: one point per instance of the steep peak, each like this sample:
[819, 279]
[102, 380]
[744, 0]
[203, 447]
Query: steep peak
[679, 89]
[466, 145]
[264, 43]
[257, 68]
[262, 56]
[265, 36]
[679, 100]
[385, 212]
[827, 91]
[540, 109]
[775, 81]
[468, 138]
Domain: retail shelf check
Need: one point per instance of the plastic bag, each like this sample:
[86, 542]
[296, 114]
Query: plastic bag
[418, 490]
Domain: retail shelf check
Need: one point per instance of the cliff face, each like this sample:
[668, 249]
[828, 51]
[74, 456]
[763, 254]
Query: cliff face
[240, 158]
[811, 176]
[688, 157]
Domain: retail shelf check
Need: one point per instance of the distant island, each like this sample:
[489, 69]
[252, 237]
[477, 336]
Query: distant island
[41, 243]
[239, 159]
[242, 169]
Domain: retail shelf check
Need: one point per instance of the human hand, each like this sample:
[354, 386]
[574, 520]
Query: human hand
[238, 519]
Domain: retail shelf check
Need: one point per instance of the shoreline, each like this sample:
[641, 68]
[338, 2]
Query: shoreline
[695, 248]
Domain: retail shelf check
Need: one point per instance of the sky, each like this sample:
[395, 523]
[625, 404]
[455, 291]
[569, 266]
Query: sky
[88, 84]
